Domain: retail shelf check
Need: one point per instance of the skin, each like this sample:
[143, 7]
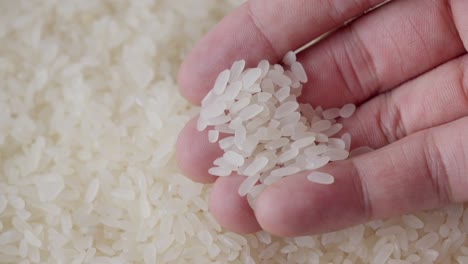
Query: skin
[404, 64]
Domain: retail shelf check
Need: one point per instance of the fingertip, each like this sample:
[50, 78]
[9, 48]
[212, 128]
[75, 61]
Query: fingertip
[200, 67]
[280, 209]
[217, 50]
[187, 80]
[295, 206]
[231, 210]
[195, 154]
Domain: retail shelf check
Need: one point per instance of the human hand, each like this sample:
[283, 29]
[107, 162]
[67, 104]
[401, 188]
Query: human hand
[405, 65]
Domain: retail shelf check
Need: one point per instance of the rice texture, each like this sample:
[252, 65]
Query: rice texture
[263, 116]
[89, 115]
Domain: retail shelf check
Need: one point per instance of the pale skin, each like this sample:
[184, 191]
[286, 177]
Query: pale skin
[406, 67]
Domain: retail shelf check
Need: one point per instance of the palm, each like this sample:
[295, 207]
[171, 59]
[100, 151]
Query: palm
[404, 64]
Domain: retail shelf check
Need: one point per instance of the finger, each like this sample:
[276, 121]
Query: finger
[423, 171]
[195, 154]
[261, 29]
[381, 50]
[435, 98]
[231, 210]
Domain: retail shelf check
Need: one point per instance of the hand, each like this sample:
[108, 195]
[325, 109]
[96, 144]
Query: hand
[405, 65]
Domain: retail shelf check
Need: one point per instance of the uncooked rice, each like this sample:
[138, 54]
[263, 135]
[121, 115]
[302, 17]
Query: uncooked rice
[275, 125]
[320, 177]
[89, 113]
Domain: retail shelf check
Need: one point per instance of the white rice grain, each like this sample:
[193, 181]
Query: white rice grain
[226, 142]
[289, 249]
[285, 109]
[335, 128]
[232, 91]
[288, 155]
[23, 248]
[321, 125]
[233, 158]
[123, 194]
[247, 184]
[250, 111]
[202, 124]
[347, 110]
[269, 251]
[213, 136]
[383, 254]
[32, 239]
[331, 113]
[235, 123]
[275, 144]
[337, 143]
[289, 58]
[336, 154]
[213, 110]
[322, 138]
[313, 151]
[240, 136]
[282, 93]
[249, 146]
[253, 89]
[303, 142]
[299, 72]
[236, 70]
[221, 123]
[264, 97]
[412, 221]
[279, 78]
[92, 190]
[427, 241]
[320, 177]
[285, 171]
[251, 77]
[221, 82]
[205, 237]
[256, 122]
[217, 171]
[264, 66]
[239, 105]
[346, 137]
[256, 166]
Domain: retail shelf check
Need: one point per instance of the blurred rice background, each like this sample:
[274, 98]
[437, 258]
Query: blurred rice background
[89, 114]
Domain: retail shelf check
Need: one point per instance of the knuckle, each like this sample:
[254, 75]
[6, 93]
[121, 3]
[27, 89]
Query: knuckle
[261, 31]
[437, 169]
[355, 65]
[389, 119]
[360, 55]
[360, 186]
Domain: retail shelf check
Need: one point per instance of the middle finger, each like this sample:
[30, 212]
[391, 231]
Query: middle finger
[436, 97]
[379, 51]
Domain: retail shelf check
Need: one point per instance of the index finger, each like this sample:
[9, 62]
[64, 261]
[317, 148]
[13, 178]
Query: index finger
[261, 29]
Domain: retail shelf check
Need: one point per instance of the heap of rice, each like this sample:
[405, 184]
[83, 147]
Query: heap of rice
[89, 113]
[269, 135]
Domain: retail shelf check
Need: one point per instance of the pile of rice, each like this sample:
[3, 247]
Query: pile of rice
[89, 114]
[267, 134]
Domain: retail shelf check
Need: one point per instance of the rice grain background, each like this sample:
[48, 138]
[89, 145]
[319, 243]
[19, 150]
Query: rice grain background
[89, 114]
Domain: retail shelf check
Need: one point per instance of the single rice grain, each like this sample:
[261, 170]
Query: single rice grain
[320, 177]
